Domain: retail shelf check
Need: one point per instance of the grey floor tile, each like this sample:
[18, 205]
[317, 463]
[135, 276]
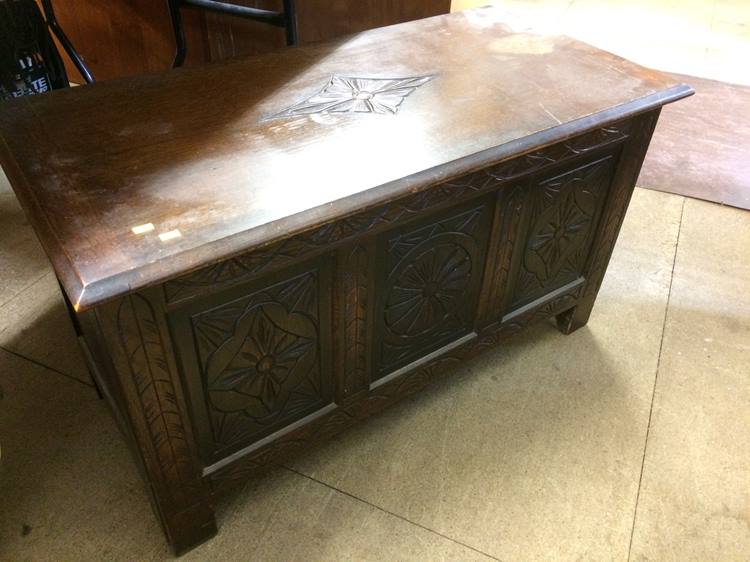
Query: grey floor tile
[68, 487]
[695, 496]
[70, 491]
[287, 517]
[533, 451]
[35, 324]
[22, 260]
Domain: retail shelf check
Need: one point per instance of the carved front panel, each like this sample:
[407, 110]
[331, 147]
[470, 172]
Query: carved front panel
[260, 360]
[563, 215]
[431, 281]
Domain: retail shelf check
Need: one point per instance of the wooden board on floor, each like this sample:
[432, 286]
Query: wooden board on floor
[701, 148]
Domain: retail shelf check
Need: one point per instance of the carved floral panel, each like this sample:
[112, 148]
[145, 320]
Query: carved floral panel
[260, 359]
[563, 219]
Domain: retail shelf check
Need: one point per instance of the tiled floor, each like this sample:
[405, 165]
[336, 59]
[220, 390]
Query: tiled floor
[628, 439]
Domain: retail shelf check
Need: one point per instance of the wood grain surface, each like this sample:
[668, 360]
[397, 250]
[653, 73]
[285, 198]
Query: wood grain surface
[198, 154]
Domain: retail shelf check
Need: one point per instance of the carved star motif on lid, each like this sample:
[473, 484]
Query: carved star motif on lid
[349, 94]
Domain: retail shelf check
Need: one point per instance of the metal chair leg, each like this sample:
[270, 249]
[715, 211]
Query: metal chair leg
[49, 15]
[290, 22]
[179, 33]
[286, 19]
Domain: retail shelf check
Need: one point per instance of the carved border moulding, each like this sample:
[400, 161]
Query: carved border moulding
[543, 158]
[350, 94]
[247, 266]
[566, 300]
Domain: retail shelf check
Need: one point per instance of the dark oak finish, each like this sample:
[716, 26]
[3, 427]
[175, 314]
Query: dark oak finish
[349, 228]
[327, 19]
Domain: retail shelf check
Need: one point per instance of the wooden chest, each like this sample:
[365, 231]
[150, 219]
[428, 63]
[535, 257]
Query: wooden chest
[260, 253]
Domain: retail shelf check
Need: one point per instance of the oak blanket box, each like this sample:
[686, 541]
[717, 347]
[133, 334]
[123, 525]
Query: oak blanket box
[259, 253]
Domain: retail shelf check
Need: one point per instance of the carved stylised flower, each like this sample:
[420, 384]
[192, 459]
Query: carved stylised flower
[268, 356]
[345, 94]
[428, 289]
[556, 237]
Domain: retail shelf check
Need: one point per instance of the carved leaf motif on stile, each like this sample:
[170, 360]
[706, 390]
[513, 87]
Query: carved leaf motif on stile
[349, 94]
[355, 319]
[147, 360]
[260, 358]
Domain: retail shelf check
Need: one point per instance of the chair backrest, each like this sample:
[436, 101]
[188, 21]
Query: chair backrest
[286, 19]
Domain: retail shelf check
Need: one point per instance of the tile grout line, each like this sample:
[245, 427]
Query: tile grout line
[30, 359]
[396, 515]
[656, 379]
[38, 364]
[24, 289]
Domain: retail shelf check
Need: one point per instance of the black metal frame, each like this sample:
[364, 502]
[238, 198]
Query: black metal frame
[52, 23]
[286, 19]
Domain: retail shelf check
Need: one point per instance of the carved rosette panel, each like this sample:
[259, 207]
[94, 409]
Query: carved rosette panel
[564, 214]
[260, 360]
[432, 282]
[247, 266]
